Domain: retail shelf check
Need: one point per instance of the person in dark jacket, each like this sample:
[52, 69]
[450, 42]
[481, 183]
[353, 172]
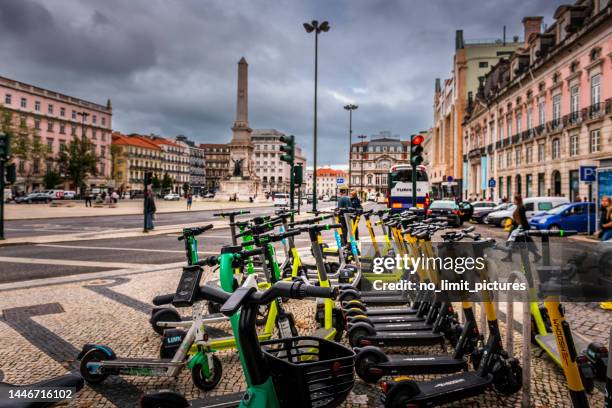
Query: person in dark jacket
[356, 204]
[519, 220]
[150, 209]
[605, 219]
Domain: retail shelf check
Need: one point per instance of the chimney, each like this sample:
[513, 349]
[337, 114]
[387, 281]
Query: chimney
[459, 44]
[438, 87]
[531, 25]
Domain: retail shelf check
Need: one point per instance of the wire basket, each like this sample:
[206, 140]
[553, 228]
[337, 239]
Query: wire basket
[309, 371]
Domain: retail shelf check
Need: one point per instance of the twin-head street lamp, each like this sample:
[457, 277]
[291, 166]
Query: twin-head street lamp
[350, 107]
[317, 28]
[362, 176]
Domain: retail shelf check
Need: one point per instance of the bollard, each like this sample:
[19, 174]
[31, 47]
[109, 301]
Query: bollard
[526, 361]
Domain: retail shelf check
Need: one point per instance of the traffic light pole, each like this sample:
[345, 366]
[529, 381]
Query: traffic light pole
[2, 175]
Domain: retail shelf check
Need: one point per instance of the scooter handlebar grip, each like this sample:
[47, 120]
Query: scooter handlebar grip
[163, 299]
[212, 294]
[208, 261]
[317, 291]
[251, 252]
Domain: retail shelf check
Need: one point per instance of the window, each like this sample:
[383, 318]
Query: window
[62, 128]
[529, 154]
[94, 119]
[595, 89]
[37, 124]
[556, 148]
[519, 119]
[36, 166]
[518, 157]
[62, 112]
[483, 64]
[50, 126]
[50, 144]
[529, 117]
[508, 158]
[595, 141]
[37, 106]
[573, 147]
[93, 134]
[24, 103]
[544, 206]
[541, 112]
[22, 121]
[73, 130]
[50, 109]
[556, 107]
[7, 99]
[103, 121]
[74, 115]
[509, 124]
[574, 99]
[541, 151]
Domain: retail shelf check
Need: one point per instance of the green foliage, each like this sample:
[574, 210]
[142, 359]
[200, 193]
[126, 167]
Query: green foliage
[166, 182]
[77, 160]
[155, 182]
[186, 188]
[51, 179]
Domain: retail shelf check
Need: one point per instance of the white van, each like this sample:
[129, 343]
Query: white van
[533, 206]
[281, 200]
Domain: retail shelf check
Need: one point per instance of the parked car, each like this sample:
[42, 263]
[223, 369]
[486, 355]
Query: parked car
[325, 198]
[281, 200]
[482, 211]
[333, 198]
[69, 194]
[573, 216]
[533, 206]
[448, 209]
[172, 197]
[372, 197]
[466, 209]
[34, 198]
[210, 194]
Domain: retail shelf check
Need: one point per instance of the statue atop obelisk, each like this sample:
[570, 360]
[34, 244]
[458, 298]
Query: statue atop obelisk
[241, 147]
[243, 183]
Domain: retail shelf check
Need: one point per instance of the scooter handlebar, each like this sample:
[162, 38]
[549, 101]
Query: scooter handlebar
[208, 261]
[193, 231]
[231, 213]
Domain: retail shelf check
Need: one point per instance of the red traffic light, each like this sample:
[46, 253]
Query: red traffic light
[417, 140]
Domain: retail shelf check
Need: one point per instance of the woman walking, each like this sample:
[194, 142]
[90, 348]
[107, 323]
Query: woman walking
[605, 220]
[189, 201]
[356, 205]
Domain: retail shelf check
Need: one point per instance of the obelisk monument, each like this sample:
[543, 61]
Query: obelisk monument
[243, 182]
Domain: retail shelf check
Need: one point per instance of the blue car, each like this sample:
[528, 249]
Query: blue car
[572, 216]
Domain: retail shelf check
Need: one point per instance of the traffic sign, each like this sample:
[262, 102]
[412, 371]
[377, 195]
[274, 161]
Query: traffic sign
[587, 173]
[340, 180]
[449, 178]
[492, 183]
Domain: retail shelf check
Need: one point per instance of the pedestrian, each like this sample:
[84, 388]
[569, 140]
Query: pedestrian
[115, 197]
[189, 201]
[149, 211]
[605, 219]
[578, 199]
[356, 204]
[344, 202]
[87, 198]
[520, 223]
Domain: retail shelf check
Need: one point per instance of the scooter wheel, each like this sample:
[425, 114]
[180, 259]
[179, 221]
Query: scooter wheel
[402, 394]
[207, 384]
[363, 362]
[164, 315]
[356, 335]
[509, 379]
[92, 356]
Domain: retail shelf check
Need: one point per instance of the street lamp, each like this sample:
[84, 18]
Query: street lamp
[350, 107]
[317, 28]
[362, 137]
[83, 116]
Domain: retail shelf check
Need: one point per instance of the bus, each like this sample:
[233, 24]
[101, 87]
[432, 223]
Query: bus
[399, 193]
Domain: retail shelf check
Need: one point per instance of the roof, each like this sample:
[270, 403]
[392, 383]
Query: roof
[205, 145]
[325, 172]
[161, 141]
[134, 140]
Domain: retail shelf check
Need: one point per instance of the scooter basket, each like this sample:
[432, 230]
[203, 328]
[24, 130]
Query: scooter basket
[309, 371]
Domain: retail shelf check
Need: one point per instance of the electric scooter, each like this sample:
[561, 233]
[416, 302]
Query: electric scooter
[495, 368]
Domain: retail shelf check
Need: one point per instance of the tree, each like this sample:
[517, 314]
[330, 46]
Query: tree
[77, 161]
[116, 153]
[51, 179]
[166, 182]
[155, 183]
[186, 188]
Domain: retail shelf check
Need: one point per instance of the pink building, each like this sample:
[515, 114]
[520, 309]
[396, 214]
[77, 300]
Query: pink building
[52, 120]
[545, 111]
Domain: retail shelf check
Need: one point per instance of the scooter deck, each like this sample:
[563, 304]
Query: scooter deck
[451, 388]
[423, 364]
[384, 300]
[548, 343]
[399, 339]
[401, 326]
[390, 311]
[390, 319]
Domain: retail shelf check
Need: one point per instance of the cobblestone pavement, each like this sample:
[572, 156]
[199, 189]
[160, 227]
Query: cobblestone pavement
[42, 330]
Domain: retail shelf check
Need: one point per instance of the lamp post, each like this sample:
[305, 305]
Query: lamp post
[350, 108]
[317, 28]
[83, 116]
[362, 137]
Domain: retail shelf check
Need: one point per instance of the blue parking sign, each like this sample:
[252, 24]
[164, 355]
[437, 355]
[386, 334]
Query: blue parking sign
[588, 173]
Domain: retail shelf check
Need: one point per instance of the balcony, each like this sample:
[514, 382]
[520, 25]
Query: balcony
[608, 107]
[526, 135]
[595, 111]
[572, 119]
[490, 148]
[554, 125]
[516, 138]
[498, 145]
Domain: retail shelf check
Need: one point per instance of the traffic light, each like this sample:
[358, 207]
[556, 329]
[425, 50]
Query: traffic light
[288, 149]
[11, 173]
[5, 146]
[416, 150]
[148, 178]
[298, 174]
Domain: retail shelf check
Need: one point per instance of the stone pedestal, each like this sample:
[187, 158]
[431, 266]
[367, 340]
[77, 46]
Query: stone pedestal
[240, 188]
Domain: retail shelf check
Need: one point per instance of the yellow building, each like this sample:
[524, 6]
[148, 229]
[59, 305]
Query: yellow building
[133, 156]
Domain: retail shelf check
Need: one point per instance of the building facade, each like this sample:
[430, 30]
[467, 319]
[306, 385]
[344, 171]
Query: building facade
[46, 121]
[197, 164]
[273, 173]
[326, 181]
[216, 163]
[175, 162]
[371, 161]
[133, 156]
[544, 111]
[471, 61]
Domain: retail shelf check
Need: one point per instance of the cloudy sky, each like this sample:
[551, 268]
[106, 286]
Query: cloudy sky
[169, 66]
